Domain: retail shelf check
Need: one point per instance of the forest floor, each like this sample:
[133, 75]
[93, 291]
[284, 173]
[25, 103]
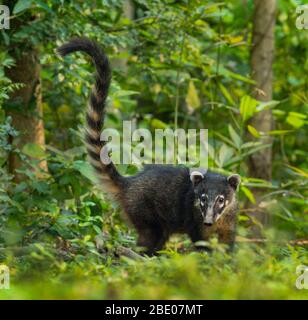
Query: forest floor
[251, 272]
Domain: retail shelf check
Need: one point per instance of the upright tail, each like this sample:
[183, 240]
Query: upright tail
[106, 170]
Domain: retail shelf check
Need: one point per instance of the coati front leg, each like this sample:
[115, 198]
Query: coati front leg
[227, 236]
[227, 231]
[197, 234]
[152, 238]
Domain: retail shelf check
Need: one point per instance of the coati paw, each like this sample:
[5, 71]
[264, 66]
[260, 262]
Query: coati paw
[203, 249]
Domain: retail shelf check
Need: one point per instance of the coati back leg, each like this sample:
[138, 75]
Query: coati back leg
[151, 238]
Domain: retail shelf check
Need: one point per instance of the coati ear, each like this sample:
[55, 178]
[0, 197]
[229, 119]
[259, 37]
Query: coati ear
[196, 177]
[234, 180]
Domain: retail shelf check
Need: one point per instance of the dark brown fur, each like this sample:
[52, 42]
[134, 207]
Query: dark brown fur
[160, 200]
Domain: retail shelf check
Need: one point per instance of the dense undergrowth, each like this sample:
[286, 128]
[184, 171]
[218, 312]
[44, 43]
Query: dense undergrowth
[60, 236]
[62, 240]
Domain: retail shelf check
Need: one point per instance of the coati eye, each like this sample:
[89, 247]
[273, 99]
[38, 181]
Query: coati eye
[202, 200]
[221, 199]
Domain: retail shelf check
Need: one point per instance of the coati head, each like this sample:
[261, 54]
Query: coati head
[214, 193]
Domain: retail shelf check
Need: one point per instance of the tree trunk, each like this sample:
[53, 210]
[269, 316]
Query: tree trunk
[26, 106]
[262, 56]
[129, 13]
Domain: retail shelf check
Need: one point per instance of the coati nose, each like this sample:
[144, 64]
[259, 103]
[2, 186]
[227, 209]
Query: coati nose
[208, 224]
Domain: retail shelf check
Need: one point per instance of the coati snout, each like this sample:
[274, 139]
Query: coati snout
[214, 194]
[161, 199]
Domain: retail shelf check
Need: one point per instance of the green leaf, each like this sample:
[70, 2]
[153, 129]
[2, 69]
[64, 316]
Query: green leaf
[253, 131]
[296, 119]
[225, 139]
[225, 154]
[240, 77]
[235, 137]
[158, 124]
[41, 187]
[267, 105]
[2, 115]
[226, 93]
[229, 74]
[248, 194]
[22, 5]
[124, 93]
[251, 144]
[97, 229]
[85, 169]
[43, 6]
[33, 150]
[247, 107]
[192, 98]
[299, 171]
[278, 132]
[245, 154]
[6, 38]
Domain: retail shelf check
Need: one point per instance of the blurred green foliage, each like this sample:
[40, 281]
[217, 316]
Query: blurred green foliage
[177, 62]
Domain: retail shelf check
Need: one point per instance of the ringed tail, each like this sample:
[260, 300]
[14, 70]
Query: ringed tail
[106, 170]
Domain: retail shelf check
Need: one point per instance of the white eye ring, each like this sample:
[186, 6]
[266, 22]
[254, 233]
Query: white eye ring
[220, 199]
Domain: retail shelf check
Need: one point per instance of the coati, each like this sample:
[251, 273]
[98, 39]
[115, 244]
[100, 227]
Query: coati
[161, 199]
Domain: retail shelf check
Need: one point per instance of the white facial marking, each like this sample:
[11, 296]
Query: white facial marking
[202, 203]
[197, 204]
[218, 216]
[220, 200]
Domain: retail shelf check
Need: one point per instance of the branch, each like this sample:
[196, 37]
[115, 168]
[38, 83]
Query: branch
[123, 251]
[298, 242]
